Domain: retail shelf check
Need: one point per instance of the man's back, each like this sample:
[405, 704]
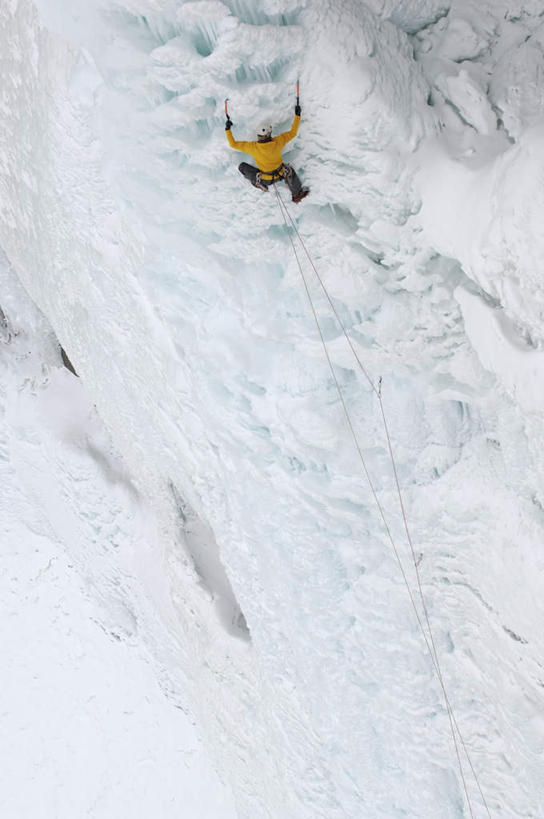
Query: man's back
[267, 154]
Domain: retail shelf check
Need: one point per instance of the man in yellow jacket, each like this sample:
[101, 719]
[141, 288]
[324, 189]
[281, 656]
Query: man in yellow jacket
[266, 151]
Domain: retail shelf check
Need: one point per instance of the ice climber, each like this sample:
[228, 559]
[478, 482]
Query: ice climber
[267, 154]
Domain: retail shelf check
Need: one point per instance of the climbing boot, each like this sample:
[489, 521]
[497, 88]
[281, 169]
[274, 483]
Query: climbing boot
[304, 192]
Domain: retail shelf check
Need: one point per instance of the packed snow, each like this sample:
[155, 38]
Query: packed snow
[212, 510]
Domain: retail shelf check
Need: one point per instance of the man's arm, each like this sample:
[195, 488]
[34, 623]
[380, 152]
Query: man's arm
[287, 136]
[234, 143]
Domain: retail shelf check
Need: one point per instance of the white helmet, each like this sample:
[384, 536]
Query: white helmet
[264, 130]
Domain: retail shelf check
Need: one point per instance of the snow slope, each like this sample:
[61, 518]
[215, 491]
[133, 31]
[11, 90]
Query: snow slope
[180, 304]
[93, 723]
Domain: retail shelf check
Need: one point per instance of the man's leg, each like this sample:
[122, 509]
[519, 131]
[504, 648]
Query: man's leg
[293, 182]
[251, 173]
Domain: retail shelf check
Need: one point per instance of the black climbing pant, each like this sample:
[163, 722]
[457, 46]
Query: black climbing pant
[288, 174]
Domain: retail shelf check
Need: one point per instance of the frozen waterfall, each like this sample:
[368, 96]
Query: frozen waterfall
[199, 481]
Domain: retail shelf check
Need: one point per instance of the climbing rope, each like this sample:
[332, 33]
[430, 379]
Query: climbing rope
[378, 393]
[429, 640]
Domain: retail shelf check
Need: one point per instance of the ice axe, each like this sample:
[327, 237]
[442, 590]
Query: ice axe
[228, 122]
[297, 108]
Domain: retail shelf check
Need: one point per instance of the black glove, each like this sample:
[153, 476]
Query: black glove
[298, 110]
[228, 124]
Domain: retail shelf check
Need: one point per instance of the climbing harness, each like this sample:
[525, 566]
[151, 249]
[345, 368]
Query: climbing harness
[428, 637]
[275, 175]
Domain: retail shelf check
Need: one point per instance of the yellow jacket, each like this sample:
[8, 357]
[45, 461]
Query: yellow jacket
[267, 155]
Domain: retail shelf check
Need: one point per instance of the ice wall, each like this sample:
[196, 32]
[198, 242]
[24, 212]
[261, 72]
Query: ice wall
[174, 291]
